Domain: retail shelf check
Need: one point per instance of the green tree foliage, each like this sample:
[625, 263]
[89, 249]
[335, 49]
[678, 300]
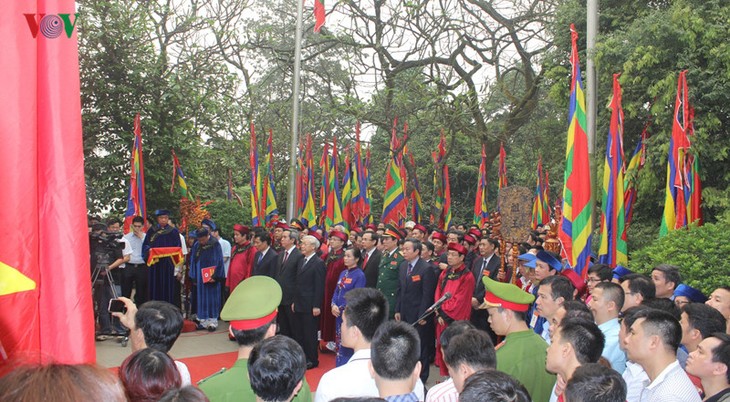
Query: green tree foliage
[700, 252]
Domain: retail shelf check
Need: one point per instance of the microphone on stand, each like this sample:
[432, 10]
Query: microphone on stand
[439, 302]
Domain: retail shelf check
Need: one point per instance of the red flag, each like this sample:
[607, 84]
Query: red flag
[45, 284]
[319, 15]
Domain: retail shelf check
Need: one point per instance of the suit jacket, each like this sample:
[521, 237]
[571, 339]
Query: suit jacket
[415, 291]
[492, 269]
[371, 269]
[286, 274]
[267, 266]
[309, 290]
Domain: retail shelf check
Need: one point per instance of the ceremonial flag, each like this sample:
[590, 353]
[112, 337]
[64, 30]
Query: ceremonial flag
[613, 250]
[333, 216]
[481, 216]
[45, 289]
[394, 207]
[577, 224]
[257, 214]
[679, 164]
[177, 172]
[540, 206]
[319, 15]
[136, 205]
[347, 216]
[324, 188]
[359, 207]
[632, 173]
[694, 187]
[271, 211]
[368, 217]
[416, 202]
[502, 167]
[442, 203]
[300, 180]
[309, 212]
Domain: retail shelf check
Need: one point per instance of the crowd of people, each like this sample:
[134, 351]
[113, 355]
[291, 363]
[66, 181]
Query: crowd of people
[390, 302]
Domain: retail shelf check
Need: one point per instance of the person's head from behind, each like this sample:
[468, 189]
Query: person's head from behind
[575, 342]
[655, 334]
[366, 310]
[187, 393]
[666, 305]
[455, 328]
[494, 386]
[711, 360]
[637, 288]
[698, 322]
[468, 353]
[594, 382]
[147, 374]
[78, 382]
[276, 369]
[395, 351]
[160, 324]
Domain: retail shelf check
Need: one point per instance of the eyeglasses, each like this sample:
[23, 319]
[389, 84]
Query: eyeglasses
[593, 280]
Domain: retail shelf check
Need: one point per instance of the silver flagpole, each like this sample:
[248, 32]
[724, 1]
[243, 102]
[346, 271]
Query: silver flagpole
[291, 199]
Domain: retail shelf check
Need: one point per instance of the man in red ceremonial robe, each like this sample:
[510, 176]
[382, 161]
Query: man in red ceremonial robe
[241, 257]
[334, 267]
[458, 281]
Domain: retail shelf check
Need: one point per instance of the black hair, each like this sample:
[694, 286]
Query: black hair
[662, 324]
[187, 393]
[577, 309]
[663, 304]
[372, 233]
[519, 315]
[395, 350]
[721, 353]
[112, 221]
[293, 235]
[704, 318]
[161, 324]
[670, 272]
[493, 242]
[560, 286]
[594, 382]
[494, 386]
[640, 284]
[415, 243]
[612, 292]
[251, 337]
[603, 271]
[585, 336]
[629, 316]
[275, 367]
[356, 253]
[366, 309]
[263, 237]
[358, 399]
[429, 246]
[455, 328]
[138, 219]
[473, 348]
[459, 234]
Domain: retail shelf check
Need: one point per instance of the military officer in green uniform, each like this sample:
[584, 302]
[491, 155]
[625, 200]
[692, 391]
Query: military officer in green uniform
[522, 353]
[389, 263]
[251, 310]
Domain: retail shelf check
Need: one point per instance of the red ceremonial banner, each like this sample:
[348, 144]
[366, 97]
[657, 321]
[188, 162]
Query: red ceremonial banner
[158, 253]
[45, 284]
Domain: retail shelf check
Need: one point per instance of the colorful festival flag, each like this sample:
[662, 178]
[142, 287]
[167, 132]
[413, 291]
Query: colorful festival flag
[442, 202]
[577, 224]
[359, 184]
[45, 289]
[613, 250]
[136, 204]
[347, 215]
[394, 202]
[268, 203]
[319, 15]
[257, 215]
[637, 161]
[333, 214]
[481, 215]
[502, 166]
[177, 172]
[416, 202]
[309, 211]
[694, 183]
[368, 216]
[541, 205]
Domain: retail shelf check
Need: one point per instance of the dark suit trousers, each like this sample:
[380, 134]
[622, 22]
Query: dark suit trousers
[135, 275]
[428, 343]
[285, 319]
[305, 334]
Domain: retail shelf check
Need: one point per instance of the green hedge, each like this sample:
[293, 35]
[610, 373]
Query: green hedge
[701, 253]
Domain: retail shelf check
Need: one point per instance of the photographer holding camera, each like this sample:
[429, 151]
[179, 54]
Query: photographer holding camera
[109, 252]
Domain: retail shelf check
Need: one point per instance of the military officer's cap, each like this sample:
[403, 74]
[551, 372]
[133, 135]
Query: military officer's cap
[505, 295]
[253, 303]
[392, 231]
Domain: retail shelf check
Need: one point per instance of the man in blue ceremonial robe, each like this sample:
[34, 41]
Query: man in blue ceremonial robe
[208, 272]
[162, 273]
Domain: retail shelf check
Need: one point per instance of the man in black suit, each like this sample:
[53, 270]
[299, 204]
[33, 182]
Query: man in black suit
[416, 288]
[264, 262]
[487, 264]
[371, 258]
[286, 274]
[308, 295]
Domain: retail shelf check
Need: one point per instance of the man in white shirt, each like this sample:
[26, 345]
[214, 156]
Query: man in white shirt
[652, 342]
[366, 310]
[135, 273]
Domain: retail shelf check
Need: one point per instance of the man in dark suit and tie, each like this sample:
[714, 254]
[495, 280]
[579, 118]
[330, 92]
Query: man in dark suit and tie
[265, 258]
[416, 288]
[371, 258]
[487, 264]
[308, 295]
[286, 274]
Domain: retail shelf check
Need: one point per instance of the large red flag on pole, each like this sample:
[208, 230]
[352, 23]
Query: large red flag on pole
[136, 204]
[45, 284]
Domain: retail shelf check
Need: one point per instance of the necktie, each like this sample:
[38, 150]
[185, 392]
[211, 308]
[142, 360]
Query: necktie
[286, 255]
[261, 257]
[484, 266]
[410, 268]
[365, 260]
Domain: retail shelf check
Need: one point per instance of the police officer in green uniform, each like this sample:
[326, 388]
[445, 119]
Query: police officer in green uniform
[251, 310]
[389, 263]
[522, 353]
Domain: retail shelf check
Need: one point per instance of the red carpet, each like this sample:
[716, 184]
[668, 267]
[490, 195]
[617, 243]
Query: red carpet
[203, 366]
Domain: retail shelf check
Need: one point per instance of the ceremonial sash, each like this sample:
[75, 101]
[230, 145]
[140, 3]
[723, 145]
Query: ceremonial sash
[157, 253]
